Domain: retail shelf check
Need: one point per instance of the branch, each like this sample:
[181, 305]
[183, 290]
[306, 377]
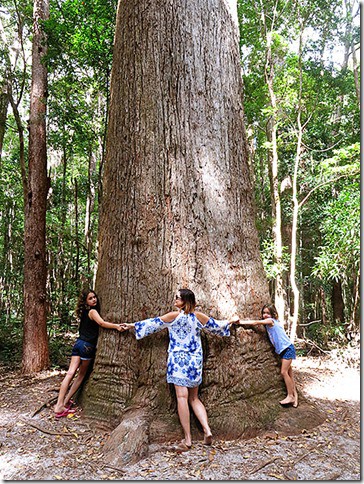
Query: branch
[323, 184]
[306, 340]
[311, 322]
[326, 149]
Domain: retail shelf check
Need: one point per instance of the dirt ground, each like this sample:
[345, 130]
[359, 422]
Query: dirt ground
[40, 448]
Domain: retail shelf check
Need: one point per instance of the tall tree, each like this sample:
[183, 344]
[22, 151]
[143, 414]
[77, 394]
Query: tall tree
[35, 340]
[177, 211]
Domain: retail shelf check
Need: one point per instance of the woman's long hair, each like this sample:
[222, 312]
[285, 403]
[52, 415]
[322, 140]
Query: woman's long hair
[81, 303]
[189, 300]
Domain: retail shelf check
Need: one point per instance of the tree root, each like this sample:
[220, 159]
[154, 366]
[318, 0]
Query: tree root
[106, 466]
[129, 442]
[44, 405]
[263, 465]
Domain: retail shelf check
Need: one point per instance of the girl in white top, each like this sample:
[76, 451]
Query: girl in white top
[282, 346]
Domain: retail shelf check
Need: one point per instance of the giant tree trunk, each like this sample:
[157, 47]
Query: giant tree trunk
[177, 211]
[35, 340]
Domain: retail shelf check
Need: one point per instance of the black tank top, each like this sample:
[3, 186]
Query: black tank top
[89, 329]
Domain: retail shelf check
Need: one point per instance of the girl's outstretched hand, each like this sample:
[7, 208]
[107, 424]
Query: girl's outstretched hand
[126, 326]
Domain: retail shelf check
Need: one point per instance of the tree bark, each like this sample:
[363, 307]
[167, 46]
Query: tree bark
[35, 340]
[337, 302]
[177, 211]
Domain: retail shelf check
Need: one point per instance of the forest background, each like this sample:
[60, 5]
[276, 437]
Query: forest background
[300, 68]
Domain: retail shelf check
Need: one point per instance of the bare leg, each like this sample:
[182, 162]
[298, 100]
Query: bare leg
[82, 370]
[75, 363]
[184, 412]
[290, 373]
[200, 412]
[290, 398]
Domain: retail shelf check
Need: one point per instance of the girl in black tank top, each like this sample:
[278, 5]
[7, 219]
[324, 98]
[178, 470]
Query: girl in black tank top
[83, 351]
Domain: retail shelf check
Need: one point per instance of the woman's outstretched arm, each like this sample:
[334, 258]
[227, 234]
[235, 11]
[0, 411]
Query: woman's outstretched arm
[151, 325]
[94, 315]
[267, 322]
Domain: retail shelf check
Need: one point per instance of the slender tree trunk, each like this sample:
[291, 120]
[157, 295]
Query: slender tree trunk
[322, 300]
[60, 260]
[355, 313]
[90, 202]
[77, 243]
[4, 103]
[279, 299]
[295, 290]
[355, 71]
[337, 302]
[35, 340]
[177, 211]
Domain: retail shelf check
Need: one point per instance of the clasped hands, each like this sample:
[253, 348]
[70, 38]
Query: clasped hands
[234, 320]
[125, 326]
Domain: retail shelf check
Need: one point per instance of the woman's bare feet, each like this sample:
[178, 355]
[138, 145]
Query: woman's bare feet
[207, 439]
[59, 409]
[181, 447]
[295, 403]
[289, 400]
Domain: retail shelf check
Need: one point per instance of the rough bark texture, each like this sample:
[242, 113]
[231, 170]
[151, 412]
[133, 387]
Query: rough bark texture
[35, 340]
[177, 211]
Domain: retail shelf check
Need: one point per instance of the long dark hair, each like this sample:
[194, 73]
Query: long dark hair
[81, 303]
[272, 309]
[189, 300]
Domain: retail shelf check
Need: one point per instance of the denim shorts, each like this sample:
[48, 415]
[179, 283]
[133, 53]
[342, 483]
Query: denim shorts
[83, 349]
[289, 353]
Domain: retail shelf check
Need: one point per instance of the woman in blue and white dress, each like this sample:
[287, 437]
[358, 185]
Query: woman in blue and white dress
[184, 367]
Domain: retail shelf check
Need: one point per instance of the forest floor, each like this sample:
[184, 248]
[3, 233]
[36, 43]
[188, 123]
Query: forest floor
[40, 448]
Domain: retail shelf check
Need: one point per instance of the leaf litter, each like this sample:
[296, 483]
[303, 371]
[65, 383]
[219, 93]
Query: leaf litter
[34, 446]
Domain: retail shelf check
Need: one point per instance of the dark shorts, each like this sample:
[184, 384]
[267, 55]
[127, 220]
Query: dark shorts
[289, 353]
[83, 349]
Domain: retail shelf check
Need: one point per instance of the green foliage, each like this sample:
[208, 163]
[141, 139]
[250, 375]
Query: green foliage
[81, 35]
[11, 330]
[339, 254]
[80, 39]
[327, 335]
[270, 265]
[324, 93]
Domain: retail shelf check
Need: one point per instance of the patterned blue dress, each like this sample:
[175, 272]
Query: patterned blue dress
[184, 366]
